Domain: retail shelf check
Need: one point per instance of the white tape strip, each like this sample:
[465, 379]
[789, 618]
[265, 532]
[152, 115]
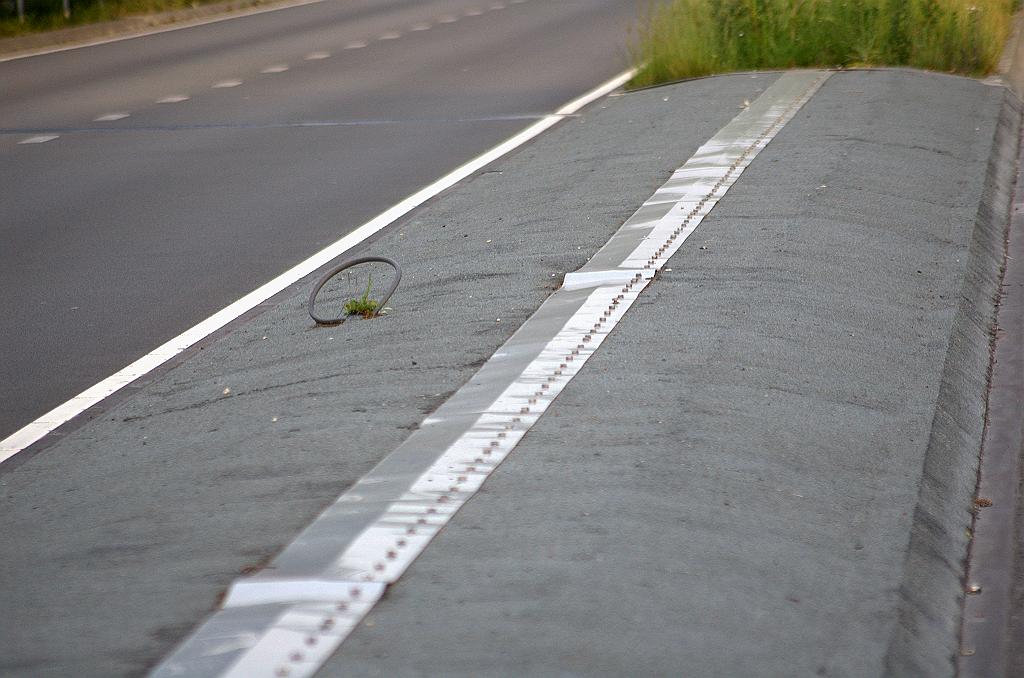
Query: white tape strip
[384, 550]
[589, 306]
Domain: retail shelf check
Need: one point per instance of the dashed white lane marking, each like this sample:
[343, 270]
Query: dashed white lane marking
[173, 99]
[41, 139]
[276, 68]
[356, 44]
[497, 6]
[448, 19]
[317, 56]
[473, 11]
[34, 431]
[390, 35]
[420, 27]
[289, 619]
[225, 84]
[110, 117]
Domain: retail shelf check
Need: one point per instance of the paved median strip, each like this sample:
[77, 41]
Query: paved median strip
[289, 622]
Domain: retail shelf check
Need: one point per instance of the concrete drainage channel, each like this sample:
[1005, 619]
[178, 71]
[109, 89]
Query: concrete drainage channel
[994, 578]
[325, 582]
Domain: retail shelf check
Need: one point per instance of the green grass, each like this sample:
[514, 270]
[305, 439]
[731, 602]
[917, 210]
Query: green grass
[688, 38]
[364, 305]
[46, 15]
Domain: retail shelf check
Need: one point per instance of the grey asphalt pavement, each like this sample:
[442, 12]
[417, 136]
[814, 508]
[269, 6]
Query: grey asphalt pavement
[738, 481]
[118, 235]
[767, 469]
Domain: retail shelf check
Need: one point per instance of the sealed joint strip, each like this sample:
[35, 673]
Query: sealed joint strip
[375, 530]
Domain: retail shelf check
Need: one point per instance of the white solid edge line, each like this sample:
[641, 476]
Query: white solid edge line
[156, 31]
[66, 411]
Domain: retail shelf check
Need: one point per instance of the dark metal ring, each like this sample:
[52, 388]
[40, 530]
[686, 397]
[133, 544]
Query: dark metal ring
[341, 267]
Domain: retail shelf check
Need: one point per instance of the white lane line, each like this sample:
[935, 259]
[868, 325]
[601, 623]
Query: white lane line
[276, 68]
[356, 44]
[173, 99]
[110, 117]
[390, 35]
[317, 56]
[34, 431]
[312, 580]
[41, 139]
[497, 6]
[448, 19]
[420, 27]
[225, 84]
[473, 11]
[177, 27]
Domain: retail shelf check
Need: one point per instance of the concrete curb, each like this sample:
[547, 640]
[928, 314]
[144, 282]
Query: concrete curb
[131, 26]
[925, 639]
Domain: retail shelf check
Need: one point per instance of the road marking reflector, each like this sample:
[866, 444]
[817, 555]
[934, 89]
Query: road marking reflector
[284, 620]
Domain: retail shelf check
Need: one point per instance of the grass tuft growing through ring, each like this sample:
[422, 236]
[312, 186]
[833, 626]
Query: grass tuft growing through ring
[688, 38]
[364, 305]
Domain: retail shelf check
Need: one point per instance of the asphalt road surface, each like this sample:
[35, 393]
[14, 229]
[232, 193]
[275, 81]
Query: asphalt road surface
[149, 182]
[766, 469]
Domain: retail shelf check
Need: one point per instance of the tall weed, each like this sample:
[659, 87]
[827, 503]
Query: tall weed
[687, 38]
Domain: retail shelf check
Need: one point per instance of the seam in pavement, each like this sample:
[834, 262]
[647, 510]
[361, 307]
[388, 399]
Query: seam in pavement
[513, 117]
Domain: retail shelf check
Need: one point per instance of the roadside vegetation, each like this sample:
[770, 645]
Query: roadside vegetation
[688, 38]
[363, 306]
[33, 16]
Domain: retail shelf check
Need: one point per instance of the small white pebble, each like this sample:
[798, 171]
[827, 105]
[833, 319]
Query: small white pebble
[227, 391]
